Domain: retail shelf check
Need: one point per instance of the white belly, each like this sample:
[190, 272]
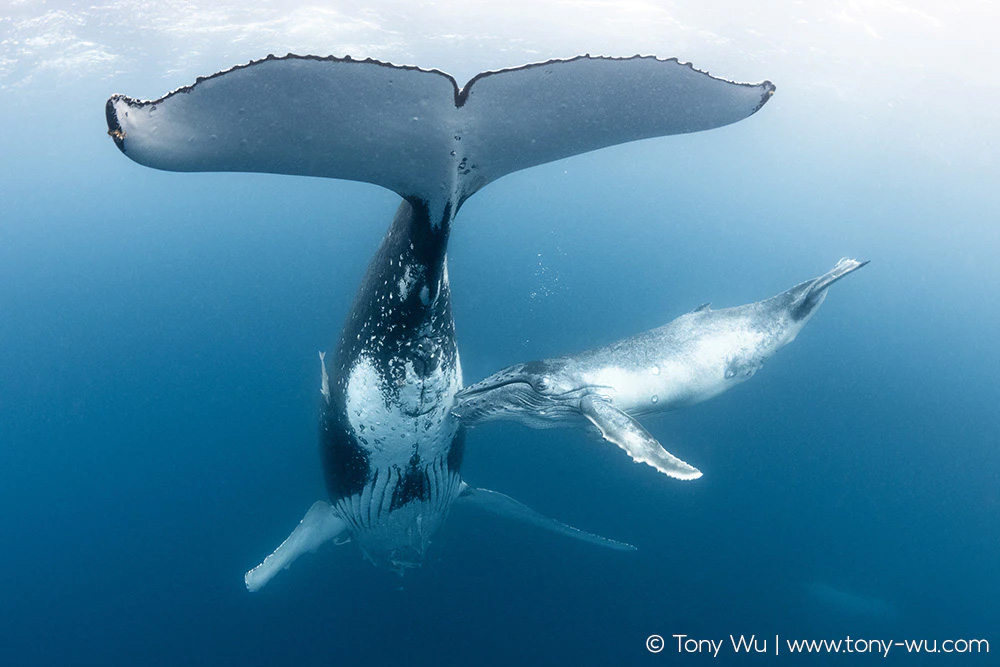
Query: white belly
[418, 421]
[668, 381]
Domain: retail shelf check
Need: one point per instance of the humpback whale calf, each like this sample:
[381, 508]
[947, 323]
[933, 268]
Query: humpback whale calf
[391, 449]
[691, 359]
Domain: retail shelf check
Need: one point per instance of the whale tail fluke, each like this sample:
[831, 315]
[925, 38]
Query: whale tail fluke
[505, 506]
[415, 131]
[843, 268]
[812, 293]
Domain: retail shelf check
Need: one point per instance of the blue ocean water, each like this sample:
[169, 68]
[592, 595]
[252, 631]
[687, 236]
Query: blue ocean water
[159, 396]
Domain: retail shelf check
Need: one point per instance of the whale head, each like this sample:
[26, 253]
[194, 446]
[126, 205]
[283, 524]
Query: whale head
[538, 393]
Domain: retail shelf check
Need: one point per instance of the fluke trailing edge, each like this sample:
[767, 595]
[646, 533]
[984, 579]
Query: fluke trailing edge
[693, 358]
[415, 131]
[391, 448]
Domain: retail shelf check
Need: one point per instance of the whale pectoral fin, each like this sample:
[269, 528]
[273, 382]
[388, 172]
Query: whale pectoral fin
[617, 427]
[324, 380]
[319, 525]
[502, 505]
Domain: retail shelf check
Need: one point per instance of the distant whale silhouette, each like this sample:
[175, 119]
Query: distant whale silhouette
[851, 604]
[391, 449]
[693, 358]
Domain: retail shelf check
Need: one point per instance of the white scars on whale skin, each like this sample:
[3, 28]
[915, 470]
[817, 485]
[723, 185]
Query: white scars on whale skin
[693, 358]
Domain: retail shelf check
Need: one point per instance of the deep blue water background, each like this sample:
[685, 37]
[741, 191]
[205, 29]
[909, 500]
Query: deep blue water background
[159, 396]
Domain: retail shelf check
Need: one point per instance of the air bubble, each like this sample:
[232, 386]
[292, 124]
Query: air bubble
[655, 398]
[656, 370]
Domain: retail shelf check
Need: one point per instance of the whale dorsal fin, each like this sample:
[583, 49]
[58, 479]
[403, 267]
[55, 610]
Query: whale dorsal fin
[320, 524]
[618, 427]
[415, 131]
[502, 505]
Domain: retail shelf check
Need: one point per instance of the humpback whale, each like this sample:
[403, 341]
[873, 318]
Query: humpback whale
[391, 450]
[691, 359]
[850, 604]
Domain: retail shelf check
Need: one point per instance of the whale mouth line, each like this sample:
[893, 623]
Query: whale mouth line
[476, 390]
[569, 394]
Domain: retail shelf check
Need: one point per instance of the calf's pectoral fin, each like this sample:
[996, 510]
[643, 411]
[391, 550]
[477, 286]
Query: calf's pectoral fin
[319, 525]
[501, 505]
[617, 427]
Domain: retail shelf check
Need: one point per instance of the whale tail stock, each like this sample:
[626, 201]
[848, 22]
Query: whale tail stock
[415, 131]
